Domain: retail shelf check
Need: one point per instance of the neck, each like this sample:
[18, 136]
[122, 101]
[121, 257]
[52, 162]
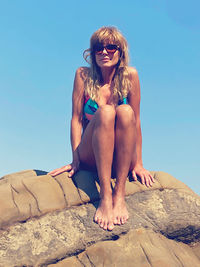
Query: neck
[107, 74]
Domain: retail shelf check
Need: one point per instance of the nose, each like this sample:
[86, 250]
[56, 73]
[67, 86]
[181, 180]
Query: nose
[104, 51]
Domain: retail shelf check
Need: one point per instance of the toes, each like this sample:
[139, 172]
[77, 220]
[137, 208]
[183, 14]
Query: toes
[115, 221]
[126, 218]
[118, 220]
[101, 223]
[110, 226]
[95, 219]
[105, 225]
[122, 220]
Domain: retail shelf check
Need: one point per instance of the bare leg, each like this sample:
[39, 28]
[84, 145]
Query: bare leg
[101, 133]
[125, 140]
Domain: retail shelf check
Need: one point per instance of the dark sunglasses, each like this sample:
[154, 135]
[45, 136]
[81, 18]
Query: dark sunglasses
[110, 48]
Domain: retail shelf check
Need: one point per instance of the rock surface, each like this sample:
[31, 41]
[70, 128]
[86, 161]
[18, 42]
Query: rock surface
[47, 221]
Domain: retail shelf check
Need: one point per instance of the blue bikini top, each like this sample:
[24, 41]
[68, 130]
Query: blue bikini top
[91, 106]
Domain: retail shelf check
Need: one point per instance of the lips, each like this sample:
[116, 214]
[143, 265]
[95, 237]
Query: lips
[105, 59]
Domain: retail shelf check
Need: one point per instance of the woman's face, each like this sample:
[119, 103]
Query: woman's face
[108, 56]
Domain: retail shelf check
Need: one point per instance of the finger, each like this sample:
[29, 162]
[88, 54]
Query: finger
[142, 178]
[57, 172]
[152, 178]
[67, 167]
[71, 173]
[150, 182]
[61, 170]
[54, 171]
[134, 176]
[146, 180]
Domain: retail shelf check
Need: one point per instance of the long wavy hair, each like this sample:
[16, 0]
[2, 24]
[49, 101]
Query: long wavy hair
[94, 79]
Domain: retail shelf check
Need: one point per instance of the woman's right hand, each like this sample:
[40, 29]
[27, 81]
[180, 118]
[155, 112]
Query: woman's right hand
[70, 168]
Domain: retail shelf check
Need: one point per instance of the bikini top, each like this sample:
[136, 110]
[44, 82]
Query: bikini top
[91, 106]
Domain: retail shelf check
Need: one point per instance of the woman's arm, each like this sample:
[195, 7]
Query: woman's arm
[134, 101]
[77, 115]
[76, 122]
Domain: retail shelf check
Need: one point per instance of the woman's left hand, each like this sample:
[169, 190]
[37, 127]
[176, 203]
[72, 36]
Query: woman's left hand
[145, 176]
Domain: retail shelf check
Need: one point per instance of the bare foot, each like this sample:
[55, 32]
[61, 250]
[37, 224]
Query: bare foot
[104, 214]
[120, 211]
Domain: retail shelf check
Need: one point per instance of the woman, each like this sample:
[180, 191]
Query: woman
[105, 125]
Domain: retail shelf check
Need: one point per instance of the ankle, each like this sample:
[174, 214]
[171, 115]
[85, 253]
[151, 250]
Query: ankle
[118, 192]
[106, 195]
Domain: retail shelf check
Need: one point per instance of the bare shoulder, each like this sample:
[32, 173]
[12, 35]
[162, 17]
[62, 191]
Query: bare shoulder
[134, 90]
[82, 73]
[133, 74]
[79, 81]
[134, 80]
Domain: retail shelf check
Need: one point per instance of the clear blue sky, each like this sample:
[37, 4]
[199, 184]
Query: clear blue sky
[40, 49]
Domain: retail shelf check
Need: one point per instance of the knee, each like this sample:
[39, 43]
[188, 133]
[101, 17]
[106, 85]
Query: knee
[106, 114]
[125, 115]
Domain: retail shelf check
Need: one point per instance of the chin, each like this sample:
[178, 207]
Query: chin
[106, 65]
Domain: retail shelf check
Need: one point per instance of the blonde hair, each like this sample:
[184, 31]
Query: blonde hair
[94, 79]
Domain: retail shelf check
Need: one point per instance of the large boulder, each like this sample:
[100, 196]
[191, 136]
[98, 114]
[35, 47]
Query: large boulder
[47, 221]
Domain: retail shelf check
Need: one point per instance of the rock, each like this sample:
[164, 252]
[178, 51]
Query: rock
[139, 247]
[47, 221]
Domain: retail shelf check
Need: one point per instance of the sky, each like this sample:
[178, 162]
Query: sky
[41, 47]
